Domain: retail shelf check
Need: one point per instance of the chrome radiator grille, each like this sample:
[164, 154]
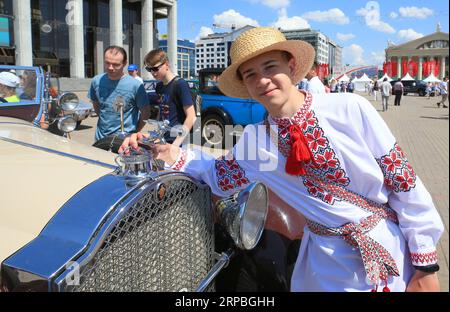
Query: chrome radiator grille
[162, 245]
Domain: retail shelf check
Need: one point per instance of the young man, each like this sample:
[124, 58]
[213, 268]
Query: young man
[314, 84]
[175, 100]
[108, 87]
[133, 72]
[371, 224]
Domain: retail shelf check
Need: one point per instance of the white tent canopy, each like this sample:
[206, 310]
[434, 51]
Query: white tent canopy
[344, 78]
[364, 78]
[385, 76]
[408, 78]
[362, 84]
[431, 78]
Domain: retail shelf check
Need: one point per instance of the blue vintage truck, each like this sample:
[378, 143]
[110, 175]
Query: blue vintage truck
[217, 110]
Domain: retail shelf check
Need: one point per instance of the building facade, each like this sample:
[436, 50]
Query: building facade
[69, 36]
[420, 57]
[185, 57]
[327, 51]
[213, 50]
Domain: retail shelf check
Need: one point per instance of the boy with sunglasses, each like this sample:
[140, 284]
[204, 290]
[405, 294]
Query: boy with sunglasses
[175, 100]
[371, 224]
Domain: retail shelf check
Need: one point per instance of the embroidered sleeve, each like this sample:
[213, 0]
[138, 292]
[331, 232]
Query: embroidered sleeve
[399, 176]
[230, 174]
[418, 218]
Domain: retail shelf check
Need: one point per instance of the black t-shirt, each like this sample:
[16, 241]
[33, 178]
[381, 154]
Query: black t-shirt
[173, 98]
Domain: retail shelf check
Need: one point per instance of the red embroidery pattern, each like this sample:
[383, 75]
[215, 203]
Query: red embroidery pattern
[398, 173]
[424, 258]
[229, 174]
[378, 262]
[325, 164]
[181, 161]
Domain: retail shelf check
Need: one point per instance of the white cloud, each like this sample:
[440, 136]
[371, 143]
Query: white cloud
[393, 15]
[204, 32]
[274, 4]
[353, 55]
[409, 34]
[231, 17]
[415, 12]
[377, 57]
[371, 14]
[334, 16]
[288, 23]
[345, 37]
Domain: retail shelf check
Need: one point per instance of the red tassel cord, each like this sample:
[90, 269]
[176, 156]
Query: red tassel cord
[300, 153]
[386, 288]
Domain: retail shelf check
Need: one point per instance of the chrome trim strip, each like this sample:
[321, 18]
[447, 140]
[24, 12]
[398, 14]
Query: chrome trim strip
[215, 270]
[49, 150]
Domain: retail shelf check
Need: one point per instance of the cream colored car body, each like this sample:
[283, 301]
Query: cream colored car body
[36, 183]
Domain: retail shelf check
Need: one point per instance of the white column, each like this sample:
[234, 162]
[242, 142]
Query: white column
[399, 67]
[76, 38]
[22, 32]
[172, 37]
[442, 67]
[147, 32]
[115, 22]
[419, 73]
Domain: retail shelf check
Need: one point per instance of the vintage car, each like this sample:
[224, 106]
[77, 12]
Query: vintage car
[34, 88]
[77, 218]
[418, 87]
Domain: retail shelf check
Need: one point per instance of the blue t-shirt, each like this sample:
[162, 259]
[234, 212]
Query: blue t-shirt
[105, 91]
[173, 101]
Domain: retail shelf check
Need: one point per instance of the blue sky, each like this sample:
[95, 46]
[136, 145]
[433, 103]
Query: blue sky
[361, 27]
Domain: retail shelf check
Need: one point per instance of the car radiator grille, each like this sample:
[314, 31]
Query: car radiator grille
[156, 246]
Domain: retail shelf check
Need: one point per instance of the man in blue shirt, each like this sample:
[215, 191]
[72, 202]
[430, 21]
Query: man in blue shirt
[108, 87]
[175, 100]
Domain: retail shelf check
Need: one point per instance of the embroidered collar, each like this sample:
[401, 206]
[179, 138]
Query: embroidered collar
[297, 118]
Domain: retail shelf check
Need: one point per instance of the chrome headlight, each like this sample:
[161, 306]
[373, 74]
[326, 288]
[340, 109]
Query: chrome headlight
[67, 124]
[244, 214]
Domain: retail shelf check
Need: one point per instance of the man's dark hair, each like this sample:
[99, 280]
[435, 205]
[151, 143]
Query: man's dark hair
[117, 49]
[385, 79]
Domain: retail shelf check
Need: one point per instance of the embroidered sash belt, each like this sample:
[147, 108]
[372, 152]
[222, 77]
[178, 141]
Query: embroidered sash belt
[378, 262]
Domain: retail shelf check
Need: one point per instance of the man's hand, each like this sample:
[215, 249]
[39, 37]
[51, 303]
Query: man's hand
[132, 141]
[167, 152]
[422, 281]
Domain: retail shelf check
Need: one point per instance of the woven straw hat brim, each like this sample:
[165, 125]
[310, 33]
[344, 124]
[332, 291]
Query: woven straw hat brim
[303, 52]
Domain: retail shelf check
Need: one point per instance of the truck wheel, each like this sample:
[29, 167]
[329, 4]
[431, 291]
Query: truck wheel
[110, 143]
[213, 131]
[421, 93]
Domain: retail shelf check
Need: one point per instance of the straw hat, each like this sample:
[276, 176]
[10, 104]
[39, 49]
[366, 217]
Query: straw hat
[257, 41]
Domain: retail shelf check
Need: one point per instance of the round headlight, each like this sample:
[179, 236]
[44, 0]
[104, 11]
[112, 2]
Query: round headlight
[244, 215]
[67, 124]
[254, 216]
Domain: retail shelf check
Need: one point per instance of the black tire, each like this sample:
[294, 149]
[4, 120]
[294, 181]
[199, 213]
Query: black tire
[421, 93]
[213, 131]
[110, 143]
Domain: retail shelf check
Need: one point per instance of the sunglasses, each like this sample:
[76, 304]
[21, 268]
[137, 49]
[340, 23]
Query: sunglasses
[154, 69]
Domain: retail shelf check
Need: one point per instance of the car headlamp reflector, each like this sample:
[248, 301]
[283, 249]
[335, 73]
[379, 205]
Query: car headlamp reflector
[67, 124]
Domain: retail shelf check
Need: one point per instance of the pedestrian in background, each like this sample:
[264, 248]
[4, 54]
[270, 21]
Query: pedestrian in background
[315, 85]
[398, 92]
[107, 88]
[444, 92]
[386, 90]
[133, 72]
[376, 89]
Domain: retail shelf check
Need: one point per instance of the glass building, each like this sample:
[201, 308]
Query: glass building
[185, 57]
[104, 22]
